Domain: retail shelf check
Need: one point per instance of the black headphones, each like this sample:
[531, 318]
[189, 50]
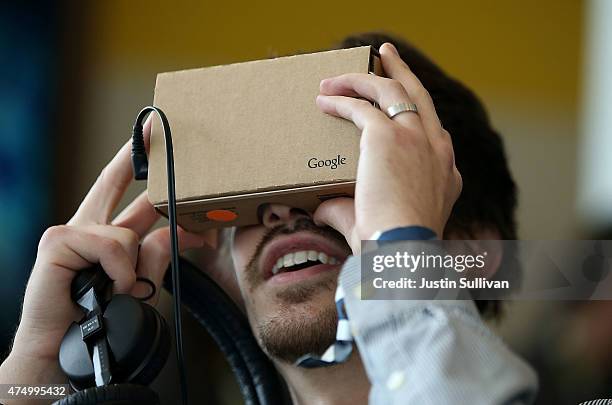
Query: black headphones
[120, 340]
[138, 342]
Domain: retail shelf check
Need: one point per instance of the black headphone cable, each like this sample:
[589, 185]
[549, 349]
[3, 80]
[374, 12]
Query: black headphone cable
[141, 168]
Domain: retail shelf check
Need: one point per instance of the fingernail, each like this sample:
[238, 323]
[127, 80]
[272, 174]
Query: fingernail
[393, 48]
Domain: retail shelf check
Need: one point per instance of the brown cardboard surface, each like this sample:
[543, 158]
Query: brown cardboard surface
[192, 214]
[246, 133]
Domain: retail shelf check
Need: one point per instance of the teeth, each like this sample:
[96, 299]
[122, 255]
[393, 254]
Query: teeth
[295, 258]
[323, 258]
[313, 256]
[300, 257]
[288, 260]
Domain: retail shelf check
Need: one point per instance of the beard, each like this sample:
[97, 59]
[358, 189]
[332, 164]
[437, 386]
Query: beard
[288, 335]
[306, 319]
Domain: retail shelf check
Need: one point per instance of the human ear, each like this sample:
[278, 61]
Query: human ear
[483, 240]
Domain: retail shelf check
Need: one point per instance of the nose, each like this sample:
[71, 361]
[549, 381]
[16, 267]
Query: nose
[279, 214]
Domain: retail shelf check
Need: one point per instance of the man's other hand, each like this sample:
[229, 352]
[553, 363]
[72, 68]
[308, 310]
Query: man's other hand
[406, 173]
[126, 249]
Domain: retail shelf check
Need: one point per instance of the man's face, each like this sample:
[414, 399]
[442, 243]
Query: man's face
[287, 270]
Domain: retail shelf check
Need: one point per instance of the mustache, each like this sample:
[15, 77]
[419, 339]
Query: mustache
[299, 225]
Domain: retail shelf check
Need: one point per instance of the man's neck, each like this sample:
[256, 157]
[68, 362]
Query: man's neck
[345, 383]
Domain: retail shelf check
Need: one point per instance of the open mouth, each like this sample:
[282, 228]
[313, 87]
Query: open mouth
[299, 256]
[301, 260]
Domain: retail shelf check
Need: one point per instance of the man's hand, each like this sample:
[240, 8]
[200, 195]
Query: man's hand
[406, 173]
[125, 249]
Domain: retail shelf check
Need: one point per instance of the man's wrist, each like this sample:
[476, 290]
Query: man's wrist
[22, 368]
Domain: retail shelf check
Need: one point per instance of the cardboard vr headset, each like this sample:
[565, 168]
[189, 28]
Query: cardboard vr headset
[249, 134]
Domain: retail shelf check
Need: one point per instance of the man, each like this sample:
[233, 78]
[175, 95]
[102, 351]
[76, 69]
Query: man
[287, 268]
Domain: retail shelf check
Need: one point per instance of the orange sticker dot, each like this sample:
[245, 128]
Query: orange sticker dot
[221, 215]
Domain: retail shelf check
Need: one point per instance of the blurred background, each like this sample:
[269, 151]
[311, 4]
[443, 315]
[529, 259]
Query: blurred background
[73, 76]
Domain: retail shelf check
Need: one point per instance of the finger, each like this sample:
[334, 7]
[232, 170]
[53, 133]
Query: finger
[386, 92]
[395, 68]
[146, 131]
[105, 194]
[154, 258]
[139, 216]
[361, 112]
[74, 249]
[339, 213]
[128, 239]
[458, 182]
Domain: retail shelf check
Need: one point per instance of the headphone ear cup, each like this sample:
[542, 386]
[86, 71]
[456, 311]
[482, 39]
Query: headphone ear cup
[114, 394]
[74, 359]
[138, 338]
[158, 359]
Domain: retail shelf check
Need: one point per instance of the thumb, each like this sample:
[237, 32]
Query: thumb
[188, 240]
[338, 213]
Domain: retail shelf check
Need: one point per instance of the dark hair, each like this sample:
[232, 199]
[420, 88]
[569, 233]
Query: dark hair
[489, 195]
